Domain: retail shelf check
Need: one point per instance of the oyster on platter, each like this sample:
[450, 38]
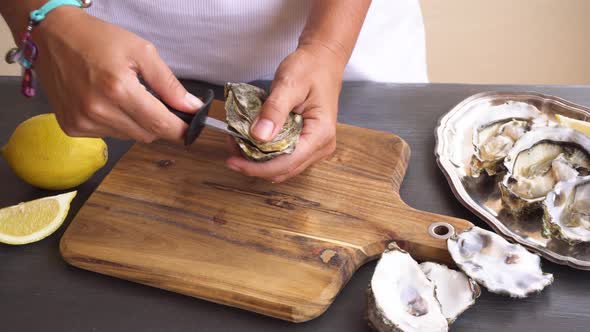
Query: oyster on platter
[496, 132]
[401, 297]
[496, 264]
[242, 105]
[538, 161]
[567, 211]
[455, 291]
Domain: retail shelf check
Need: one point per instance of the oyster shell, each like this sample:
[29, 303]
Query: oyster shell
[496, 264]
[455, 291]
[242, 105]
[538, 161]
[401, 297]
[567, 210]
[496, 132]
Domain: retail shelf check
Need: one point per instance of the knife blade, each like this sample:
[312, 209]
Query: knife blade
[221, 126]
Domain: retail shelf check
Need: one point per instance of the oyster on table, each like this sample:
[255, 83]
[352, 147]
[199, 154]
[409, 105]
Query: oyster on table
[401, 297]
[455, 291]
[496, 264]
[538, 161]
[242, 104]
[497, 130]
[567, 211]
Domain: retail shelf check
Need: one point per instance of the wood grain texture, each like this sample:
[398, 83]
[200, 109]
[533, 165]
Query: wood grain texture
[176, 218]
[41, 292]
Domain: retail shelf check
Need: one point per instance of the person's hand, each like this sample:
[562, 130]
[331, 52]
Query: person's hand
[89, 70]
[308, 82]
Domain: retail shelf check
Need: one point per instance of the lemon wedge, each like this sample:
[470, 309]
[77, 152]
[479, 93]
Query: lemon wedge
[34, 220]
[579, 125]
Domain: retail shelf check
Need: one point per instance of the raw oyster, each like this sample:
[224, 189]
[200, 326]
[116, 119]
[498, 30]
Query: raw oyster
[496, 132]
[567, 211]
[401, 298]
[455, 291]
[540, 159]
[496, 264]
[242, 105]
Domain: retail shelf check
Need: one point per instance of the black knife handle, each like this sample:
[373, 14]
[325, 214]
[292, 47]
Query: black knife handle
[186, 117]
[196, 121]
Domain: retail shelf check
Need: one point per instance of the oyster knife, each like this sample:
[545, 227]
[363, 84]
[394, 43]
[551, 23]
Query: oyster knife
[199, 120]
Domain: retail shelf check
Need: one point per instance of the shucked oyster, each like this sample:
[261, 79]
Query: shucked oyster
[496, 264]
[538, 161]
[401, 297]
[455, 291]
[567, 210]
[497, 130]
[242, 105]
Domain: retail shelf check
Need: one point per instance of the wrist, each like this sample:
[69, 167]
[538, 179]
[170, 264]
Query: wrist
[323, 58]
[16, 14]
[330, 53]
[59, 20]
[27, 50]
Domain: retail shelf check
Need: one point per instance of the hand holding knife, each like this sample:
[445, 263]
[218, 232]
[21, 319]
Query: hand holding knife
[199, 120]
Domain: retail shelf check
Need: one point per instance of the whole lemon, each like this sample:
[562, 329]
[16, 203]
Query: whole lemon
[41, 154]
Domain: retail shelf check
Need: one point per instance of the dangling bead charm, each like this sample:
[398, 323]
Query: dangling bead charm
[29, 54]
[29, 47]
[26, 56]
[27, 87]
[26, 52]
[13, 55]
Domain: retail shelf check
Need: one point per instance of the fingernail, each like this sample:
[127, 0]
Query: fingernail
[192, 101]
[263, 129]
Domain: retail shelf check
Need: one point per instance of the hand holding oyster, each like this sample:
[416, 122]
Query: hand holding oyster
[242, 105]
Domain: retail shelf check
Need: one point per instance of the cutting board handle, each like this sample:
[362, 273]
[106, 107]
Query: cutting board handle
[426, 240]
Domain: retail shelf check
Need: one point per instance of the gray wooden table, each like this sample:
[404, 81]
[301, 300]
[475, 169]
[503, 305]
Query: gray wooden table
[38, 291]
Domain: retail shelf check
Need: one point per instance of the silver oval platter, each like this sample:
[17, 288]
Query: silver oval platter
[454, 150]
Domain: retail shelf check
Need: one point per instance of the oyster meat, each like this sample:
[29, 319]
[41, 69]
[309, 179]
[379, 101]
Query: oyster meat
[496, 264]
[242, 105]
[538, 161]
[401, 297]
[567, 210]
[454, 290]
[496, 132]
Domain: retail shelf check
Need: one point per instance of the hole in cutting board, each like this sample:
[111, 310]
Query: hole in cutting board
[441, 230]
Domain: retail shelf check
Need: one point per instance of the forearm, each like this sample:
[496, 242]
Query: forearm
[334, 25]
[16, 13]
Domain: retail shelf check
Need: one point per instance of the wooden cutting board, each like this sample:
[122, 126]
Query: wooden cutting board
[176, 218]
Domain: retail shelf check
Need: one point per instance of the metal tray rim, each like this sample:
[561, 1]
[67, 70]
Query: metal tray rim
[461, 194]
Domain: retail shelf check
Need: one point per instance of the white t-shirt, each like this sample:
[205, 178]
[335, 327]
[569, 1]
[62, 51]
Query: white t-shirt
[244, 40]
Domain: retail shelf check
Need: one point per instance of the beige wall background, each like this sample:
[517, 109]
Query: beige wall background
[6, 43]
[508, 41]
[483, 41]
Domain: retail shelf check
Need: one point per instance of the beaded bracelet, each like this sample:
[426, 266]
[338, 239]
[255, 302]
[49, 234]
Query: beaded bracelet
[26, 52]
